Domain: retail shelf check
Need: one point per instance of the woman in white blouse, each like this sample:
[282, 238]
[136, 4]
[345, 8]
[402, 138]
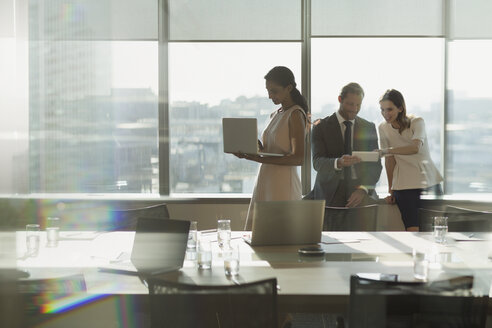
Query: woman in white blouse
[409, 166]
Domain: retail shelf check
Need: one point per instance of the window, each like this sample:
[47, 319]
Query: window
[93, 100]
[80, 84]
[378, 64]
[209, 81]
[468, 130]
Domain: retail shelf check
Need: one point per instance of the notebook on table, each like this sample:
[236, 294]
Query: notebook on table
[159, 246]
[296, 222]
[241, 136]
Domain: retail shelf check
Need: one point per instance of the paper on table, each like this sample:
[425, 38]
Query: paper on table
[357, 235]
[79, 235]
[330, 240]
[458, 236]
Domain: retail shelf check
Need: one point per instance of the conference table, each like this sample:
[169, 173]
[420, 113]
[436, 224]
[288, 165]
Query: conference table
[305, 283]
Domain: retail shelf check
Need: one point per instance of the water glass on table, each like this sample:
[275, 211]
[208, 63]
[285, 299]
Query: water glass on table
[224, 233]
[420, 265]
[231, 261]
[52, 231]
[32, 239]
[440, 229]
[204, 254]
[192, 235]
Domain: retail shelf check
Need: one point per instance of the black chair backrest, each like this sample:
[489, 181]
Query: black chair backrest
[11, 314]
[126, 220]
[363, 218]
[105, 217]
[464, 219]
[448, 303]
[175, 304]
[459, 219]
[426, 218]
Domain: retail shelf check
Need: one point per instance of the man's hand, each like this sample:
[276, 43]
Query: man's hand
[390, 199]
[356, 198]
[347, 160]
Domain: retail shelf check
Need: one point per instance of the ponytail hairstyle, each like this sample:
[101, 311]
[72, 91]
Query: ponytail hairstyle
[283, 76]
[396, 98]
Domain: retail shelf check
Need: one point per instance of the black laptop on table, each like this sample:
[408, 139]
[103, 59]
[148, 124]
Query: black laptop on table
[159, 246]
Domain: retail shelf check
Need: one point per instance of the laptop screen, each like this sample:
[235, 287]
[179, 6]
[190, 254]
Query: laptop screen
[294, 222]
[159, 244]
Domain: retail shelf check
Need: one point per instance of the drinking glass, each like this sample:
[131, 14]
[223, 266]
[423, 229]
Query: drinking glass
[224, 233]
[32, 239]
[52, 231]
[204, 254]
[420, 265]
[192, 235]
[231, 261]
[440, 229]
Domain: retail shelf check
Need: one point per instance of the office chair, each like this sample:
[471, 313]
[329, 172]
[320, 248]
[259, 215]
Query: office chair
[426, 218]
[363, 218]
[440, 304]
[464, 219]
[459, 219]
[175, 304]
[104, 217]
[126, 220]
[10, 302]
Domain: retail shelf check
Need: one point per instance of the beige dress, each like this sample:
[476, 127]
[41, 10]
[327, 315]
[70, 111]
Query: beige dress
[276, 182]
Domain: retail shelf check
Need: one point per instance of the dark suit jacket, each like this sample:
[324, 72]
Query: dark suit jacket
[327, 145]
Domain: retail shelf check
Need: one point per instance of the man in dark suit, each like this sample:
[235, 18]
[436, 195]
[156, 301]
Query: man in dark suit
[342, 179]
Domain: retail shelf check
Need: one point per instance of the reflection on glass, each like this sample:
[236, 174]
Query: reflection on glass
[378, 64]
[93, 116]
[468, 131]
[209, 81]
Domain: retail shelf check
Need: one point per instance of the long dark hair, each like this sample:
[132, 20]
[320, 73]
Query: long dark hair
[397, 99]
[283, 76]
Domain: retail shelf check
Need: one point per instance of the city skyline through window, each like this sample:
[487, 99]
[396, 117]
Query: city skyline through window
[72, 88]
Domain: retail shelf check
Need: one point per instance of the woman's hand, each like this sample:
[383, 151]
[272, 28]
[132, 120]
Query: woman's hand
[250, 157]
[390, 199]
[383, 152]
[239, 155]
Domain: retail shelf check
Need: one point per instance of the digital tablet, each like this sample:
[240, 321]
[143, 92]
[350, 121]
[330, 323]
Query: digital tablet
[367, 156]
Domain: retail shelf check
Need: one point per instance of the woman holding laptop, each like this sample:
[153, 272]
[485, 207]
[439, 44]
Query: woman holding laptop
[285, 134]
[409, 166]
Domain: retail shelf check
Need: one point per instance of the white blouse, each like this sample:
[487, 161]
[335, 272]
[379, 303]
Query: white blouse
[415, 171]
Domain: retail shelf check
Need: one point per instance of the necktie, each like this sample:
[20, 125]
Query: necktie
[347, 148]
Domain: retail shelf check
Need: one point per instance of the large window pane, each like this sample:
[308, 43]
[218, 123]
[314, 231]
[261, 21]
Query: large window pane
[209, 81]
[469, 128]
[235, 20]
[378, 64]
[377, 17]
[93, 116]
[14, 171]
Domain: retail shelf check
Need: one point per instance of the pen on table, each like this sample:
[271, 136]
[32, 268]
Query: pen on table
[215, 240]
[208, 231]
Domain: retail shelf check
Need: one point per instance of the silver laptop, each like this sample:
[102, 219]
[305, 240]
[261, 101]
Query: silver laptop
[241, 136]
[295, 222]
[159, 246]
